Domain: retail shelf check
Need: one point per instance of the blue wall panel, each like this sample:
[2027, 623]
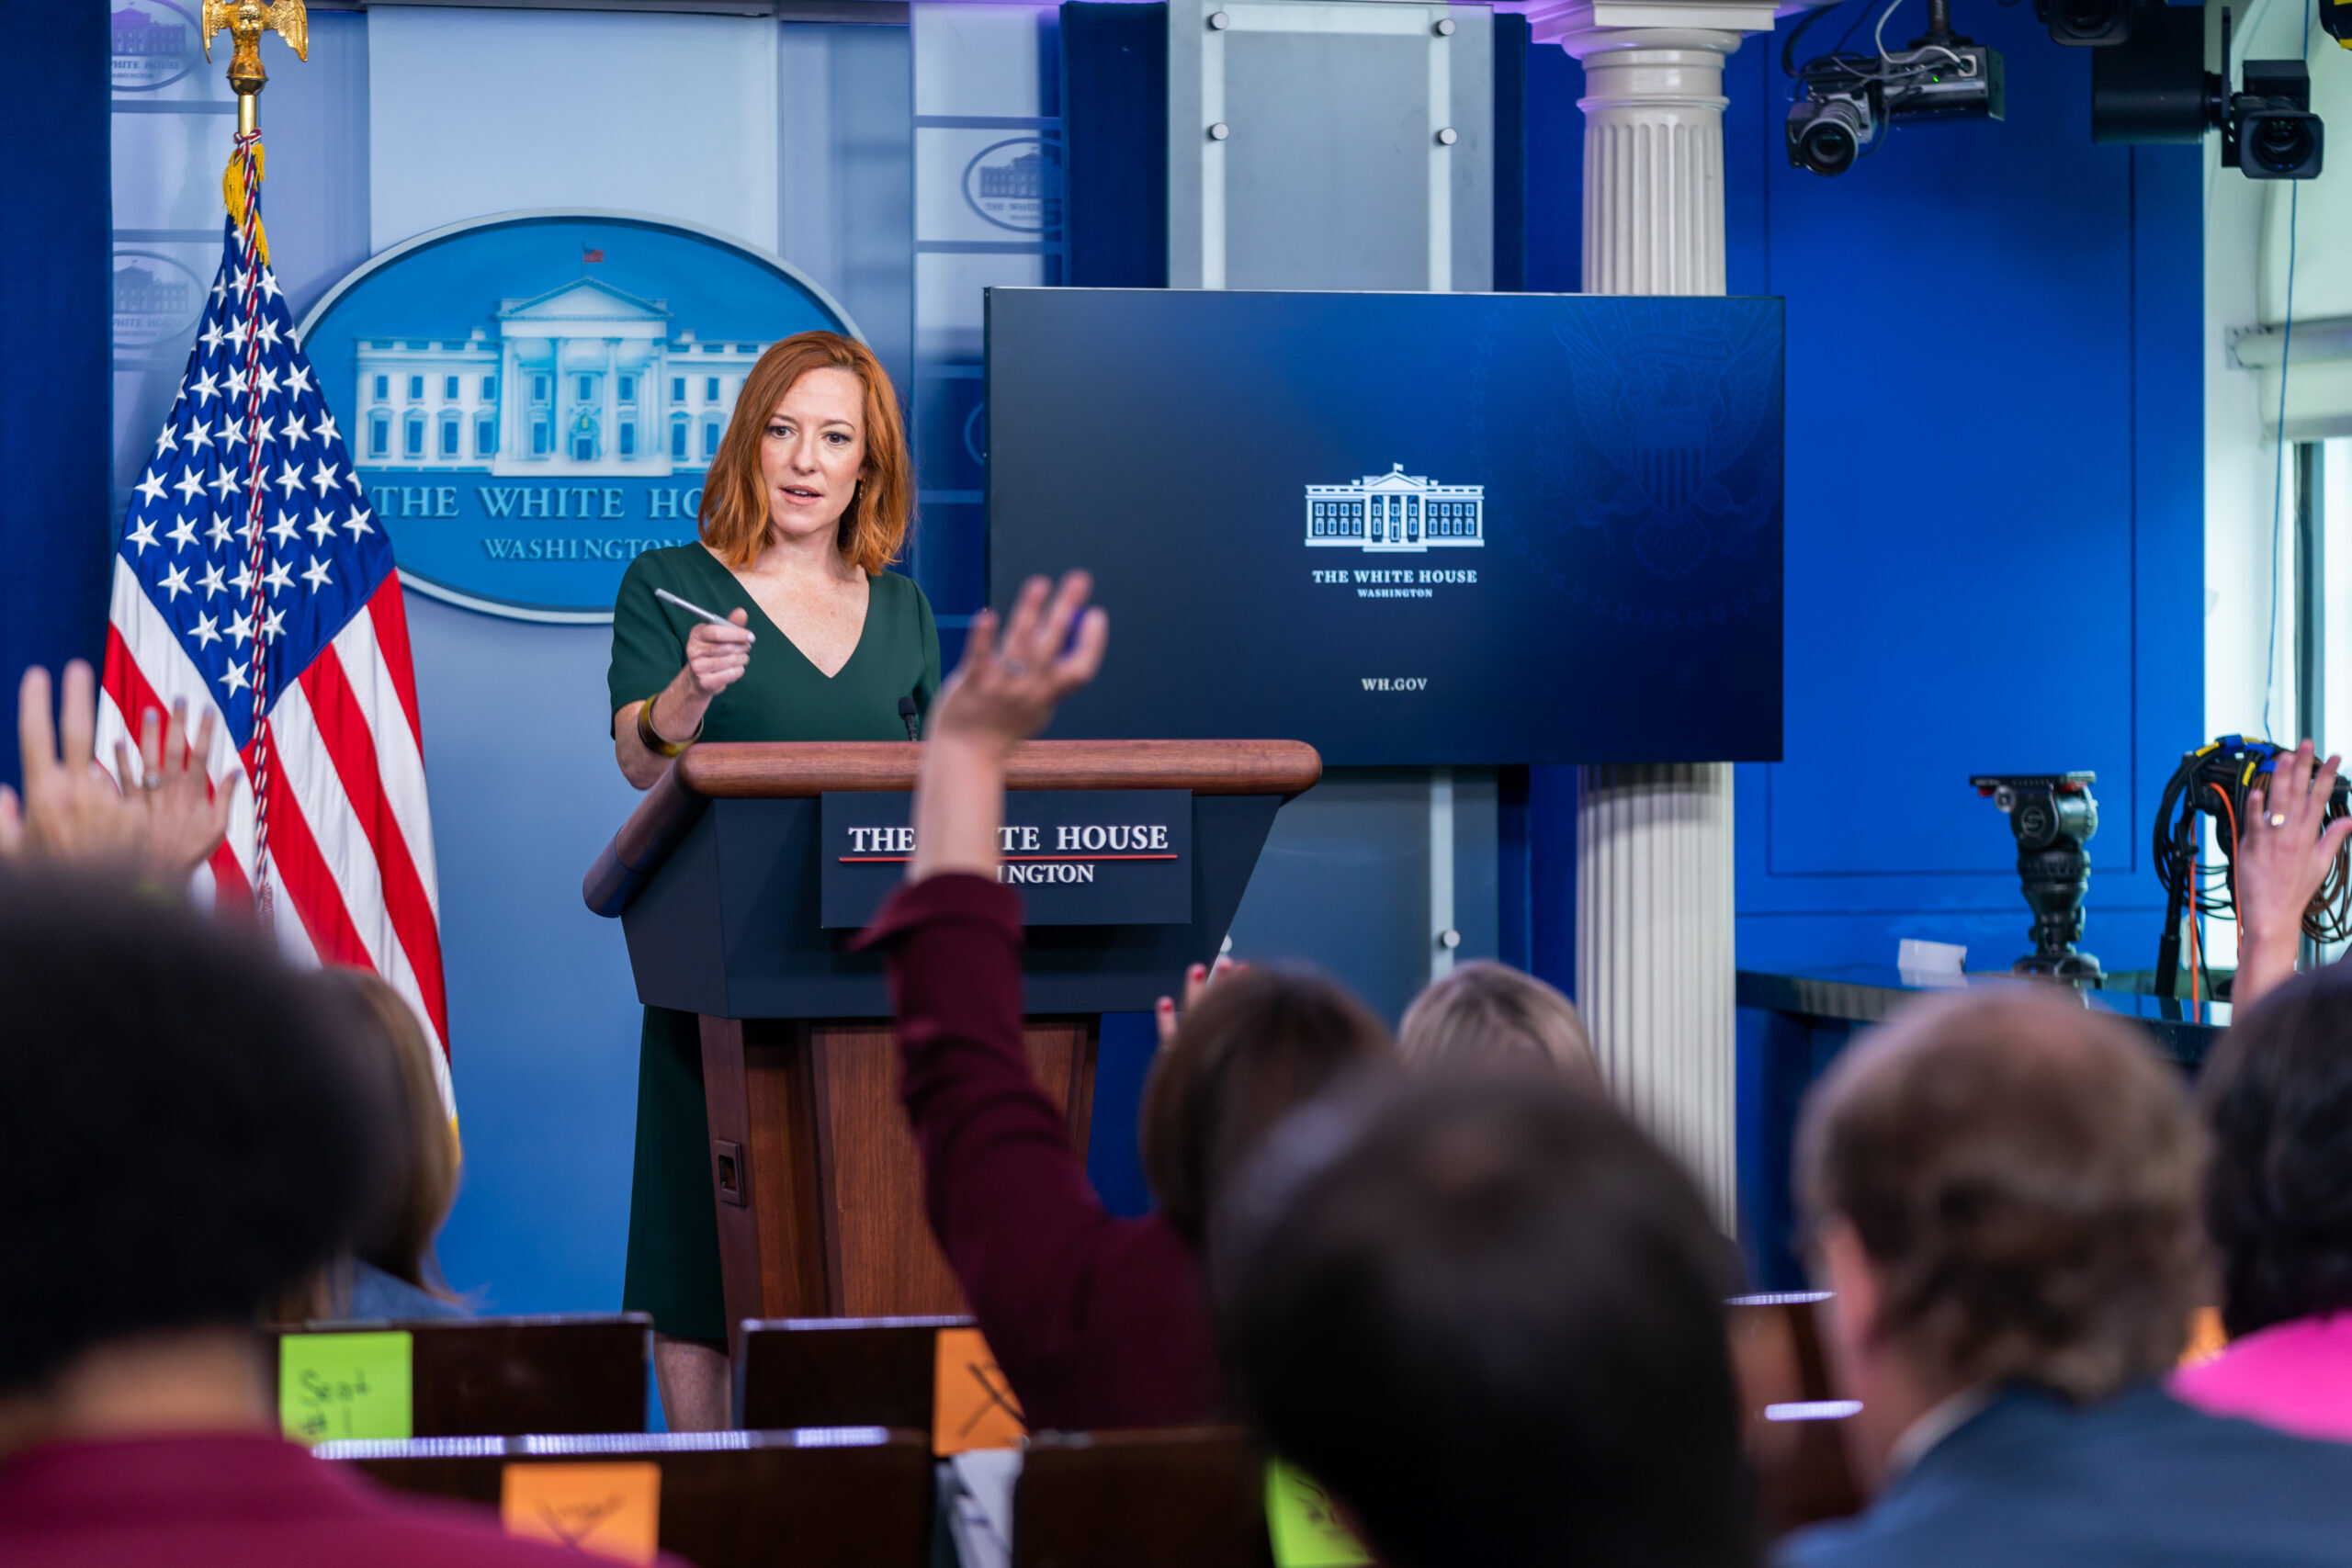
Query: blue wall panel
[1994, 507]
[56, 518]
[543, 1012]
[1555, 172]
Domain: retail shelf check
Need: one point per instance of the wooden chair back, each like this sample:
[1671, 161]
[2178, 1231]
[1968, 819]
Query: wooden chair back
[837, 1498]
[504, 1376]
[837, 1372]
[1172, 1497]
[1796, 1424]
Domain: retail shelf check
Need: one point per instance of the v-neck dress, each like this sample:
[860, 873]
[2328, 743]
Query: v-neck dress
[672, 1270]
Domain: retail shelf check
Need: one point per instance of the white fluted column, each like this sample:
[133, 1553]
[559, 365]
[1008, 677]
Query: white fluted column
[1654, 954]
[1654, 861]
[1653, 158]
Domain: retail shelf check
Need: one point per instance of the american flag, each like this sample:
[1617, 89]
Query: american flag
[252, 578]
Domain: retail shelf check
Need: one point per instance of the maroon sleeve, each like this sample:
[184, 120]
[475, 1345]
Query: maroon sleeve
[1008, 1198]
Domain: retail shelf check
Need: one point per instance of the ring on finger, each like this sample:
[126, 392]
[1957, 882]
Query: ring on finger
[1015, 667]
[2278, 819]
[152, 780]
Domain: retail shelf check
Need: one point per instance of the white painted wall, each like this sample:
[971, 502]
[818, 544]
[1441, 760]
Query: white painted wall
[2246, 658]
[476, 112]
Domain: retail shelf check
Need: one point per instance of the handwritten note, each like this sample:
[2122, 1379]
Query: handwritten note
[1305, 1524]
[332, 1386]
[613, 1509]
[971, 1404]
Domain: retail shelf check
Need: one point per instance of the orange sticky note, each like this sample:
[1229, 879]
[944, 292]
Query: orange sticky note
[612, 1508]
[971, 1404]
[2207, 1337]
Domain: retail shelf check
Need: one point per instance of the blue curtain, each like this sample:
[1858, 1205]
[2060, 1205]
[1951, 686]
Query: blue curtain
[56, 512]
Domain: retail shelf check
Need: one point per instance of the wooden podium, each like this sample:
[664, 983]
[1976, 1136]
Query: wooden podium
[715, 878]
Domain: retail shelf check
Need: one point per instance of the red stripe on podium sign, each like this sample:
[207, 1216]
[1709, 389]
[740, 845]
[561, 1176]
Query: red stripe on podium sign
[902, 859]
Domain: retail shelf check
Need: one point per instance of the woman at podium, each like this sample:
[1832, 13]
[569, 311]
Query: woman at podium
[804, 635]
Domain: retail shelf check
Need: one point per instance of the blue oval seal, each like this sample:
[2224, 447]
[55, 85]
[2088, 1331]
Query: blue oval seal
[155, 298]
[154, 44]
[531, 398]
[1017, 184]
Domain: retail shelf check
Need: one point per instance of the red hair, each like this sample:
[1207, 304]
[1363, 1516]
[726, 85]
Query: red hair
[734, 497]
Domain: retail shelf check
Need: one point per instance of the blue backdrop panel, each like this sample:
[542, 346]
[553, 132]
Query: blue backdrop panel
[1114, 119]
[1554, 173]
[1994, 507]
[1509, 144]
[1522, 488]
[56, 513]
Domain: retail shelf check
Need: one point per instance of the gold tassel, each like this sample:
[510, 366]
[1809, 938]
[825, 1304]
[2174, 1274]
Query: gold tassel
[232, 195]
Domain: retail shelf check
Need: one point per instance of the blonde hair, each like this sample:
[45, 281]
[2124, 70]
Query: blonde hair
[734, 497]
[1490, 1015]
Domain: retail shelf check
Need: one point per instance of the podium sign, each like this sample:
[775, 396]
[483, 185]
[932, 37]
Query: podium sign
[739, 879]
[1081, 857]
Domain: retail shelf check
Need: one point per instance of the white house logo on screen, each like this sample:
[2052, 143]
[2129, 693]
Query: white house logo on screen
[1396, 511]
[155, 44]
[585, 379]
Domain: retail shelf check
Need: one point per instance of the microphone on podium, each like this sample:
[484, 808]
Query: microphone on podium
[913, 720]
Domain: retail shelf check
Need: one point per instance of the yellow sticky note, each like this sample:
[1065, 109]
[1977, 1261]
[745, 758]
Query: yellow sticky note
[1305, 1523]
[612, 1508]
[971, 1404]
[332, 1386]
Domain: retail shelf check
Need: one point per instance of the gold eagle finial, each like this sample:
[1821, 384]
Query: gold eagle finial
[246, 21]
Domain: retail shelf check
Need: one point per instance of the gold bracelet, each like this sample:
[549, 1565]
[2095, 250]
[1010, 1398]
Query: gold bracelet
[653, 742]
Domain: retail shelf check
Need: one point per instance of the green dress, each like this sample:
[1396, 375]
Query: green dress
[672, 1270]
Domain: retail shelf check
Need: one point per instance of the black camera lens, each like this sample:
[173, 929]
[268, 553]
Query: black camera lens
[2095, 24]
[2280, 144]
[1826, 134]
[1827, 146]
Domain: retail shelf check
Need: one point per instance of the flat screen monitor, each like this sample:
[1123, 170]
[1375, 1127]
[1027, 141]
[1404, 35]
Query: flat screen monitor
[1406, 528]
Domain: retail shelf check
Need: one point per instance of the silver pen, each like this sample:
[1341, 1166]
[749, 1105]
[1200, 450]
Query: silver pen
[696, 610]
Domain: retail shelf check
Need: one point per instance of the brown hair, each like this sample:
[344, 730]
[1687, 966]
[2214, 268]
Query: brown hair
[734, 497]
[1258, 1044]
[2276, 1093]
[401, 1244]
[2023, 1172]
[1487, 1015]
[1491, 1322]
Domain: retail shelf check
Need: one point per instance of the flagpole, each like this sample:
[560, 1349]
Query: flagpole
[246, 21]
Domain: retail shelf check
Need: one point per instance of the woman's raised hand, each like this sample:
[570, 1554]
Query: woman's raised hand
[1003, 691]
[164, 820]
[1016, 673]
[716, 656]
[187, 816]
[2280, 866]
[1197, 981]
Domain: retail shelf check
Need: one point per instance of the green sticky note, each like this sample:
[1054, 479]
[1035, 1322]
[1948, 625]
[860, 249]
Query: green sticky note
[332, 1386]
[1305, 1523]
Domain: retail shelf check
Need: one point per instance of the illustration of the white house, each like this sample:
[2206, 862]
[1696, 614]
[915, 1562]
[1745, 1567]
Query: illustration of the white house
[583, 379]
[1395, 510]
